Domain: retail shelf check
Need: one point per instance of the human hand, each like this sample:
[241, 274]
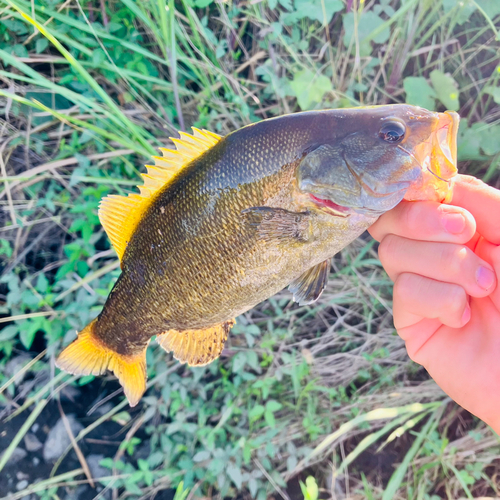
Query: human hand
[445, 264]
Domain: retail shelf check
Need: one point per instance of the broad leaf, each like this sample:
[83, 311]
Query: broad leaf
[419, 92]
[446, 89]
[309, 88]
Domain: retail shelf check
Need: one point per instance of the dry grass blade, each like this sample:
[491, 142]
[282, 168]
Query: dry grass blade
[46, 484]
[379, 414]
[74, 444]
[24, 369]
[88, 279]
[30, 420]
[83, 101]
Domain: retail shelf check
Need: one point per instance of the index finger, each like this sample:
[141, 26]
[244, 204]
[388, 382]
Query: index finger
[482, 201]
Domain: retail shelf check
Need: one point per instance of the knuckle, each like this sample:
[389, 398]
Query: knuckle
[495, 227]
[471, 181]
[413, 354]
[412, 215]
[403, 286]
[455, 299]
[453, 257]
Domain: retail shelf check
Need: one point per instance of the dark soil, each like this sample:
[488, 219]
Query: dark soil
[103, 440]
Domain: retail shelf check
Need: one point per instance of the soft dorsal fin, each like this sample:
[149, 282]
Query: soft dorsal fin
[120, 215]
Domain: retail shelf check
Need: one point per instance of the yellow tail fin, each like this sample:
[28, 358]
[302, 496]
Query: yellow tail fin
[87, 355]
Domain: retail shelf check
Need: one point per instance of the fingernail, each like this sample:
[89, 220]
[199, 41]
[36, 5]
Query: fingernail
[466, 315]
[454, 223]
[485, 278]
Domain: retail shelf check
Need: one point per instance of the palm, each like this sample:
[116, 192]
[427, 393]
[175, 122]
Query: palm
[464, 361]
[446, 277]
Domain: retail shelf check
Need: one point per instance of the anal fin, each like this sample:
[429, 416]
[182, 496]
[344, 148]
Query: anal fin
[87, 355]
[196, 347]
[308, 287]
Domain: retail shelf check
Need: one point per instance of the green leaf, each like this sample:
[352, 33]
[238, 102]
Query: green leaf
[201, 456]
[16, 26]
[143, 465]
[310, 490]
[469, 141]
[180, 492]
[235, 475]
[446, 89]
[286, 4]
[27, 335]
[85, 380]
[8, 333]
[201, 4]
[494, 92]
[107, 462]
[19, 50]
[42, 283]
[269, 418]
[309, 88]
[313, 9]
[419, 92]
[490, 7]
[465, 8]
[273, 405]
[256, 412]
[5, 248]
[29, 328]
[368, 22]
[490, 139]
[41, 44]
[239, 362]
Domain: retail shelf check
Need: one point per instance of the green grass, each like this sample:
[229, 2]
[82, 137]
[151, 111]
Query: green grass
[89, 90]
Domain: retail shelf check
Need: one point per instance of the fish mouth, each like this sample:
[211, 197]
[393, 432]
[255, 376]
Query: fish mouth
[439, 154]
[437, 157]
[330, 207]
[388, 195]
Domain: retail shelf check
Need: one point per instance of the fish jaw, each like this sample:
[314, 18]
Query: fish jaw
[438, 160]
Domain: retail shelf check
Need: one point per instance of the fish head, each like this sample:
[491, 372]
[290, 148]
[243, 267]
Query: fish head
[379, 155]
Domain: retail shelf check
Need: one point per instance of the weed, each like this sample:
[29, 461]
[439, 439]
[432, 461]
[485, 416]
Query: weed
[326, 393]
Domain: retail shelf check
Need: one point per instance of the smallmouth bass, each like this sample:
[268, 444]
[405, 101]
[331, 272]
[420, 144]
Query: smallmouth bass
[223, 223]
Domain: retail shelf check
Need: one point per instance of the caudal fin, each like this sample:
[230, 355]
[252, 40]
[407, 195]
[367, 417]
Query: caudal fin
[87, 355]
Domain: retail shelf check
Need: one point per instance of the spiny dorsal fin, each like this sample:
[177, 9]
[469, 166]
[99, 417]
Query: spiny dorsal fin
[119, 215]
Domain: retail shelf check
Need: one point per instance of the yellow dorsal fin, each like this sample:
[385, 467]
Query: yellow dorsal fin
[119, 215]
[196, 347]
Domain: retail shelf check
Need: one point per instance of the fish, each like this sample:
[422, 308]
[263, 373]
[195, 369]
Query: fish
[222, 223]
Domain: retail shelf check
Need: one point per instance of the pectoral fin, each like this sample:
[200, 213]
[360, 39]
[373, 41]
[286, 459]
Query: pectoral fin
[196, 347]
[308, 287]
[279, 224]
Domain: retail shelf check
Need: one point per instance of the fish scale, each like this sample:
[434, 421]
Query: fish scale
[226, 222]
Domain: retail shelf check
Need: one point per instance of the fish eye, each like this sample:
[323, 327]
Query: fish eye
[392, 132]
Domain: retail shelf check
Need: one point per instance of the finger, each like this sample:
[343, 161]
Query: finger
[417, 298]
[426, 220]
[491, 253]
[482, 201]
[444, 262]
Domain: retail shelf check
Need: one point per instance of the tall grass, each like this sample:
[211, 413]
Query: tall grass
[90, 90]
